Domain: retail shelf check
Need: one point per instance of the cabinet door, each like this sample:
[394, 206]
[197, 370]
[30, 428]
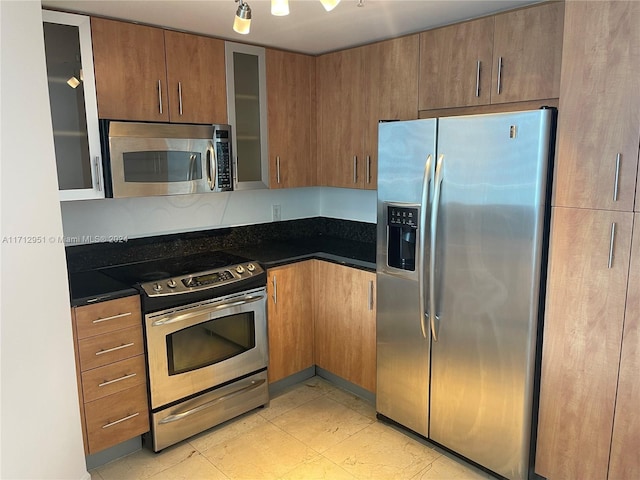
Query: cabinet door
[599, 119]
[290, 316]
[291, 118]
[527, 53]
[74, 111]
[391, 73]
[345, 328]
[131, 79]
[247, 111]
[341, 97]
[581, 343]
[195, 78]
[455, 65]
[625, 461]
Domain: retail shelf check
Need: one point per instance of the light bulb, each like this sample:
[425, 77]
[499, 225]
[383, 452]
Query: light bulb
[242, 22]
[329, 4]
[279, 8]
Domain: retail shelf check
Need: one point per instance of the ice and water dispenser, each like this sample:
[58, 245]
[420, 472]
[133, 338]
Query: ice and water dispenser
[402, 229]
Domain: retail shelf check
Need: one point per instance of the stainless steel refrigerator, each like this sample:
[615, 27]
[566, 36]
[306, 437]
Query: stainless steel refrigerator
[462, 219]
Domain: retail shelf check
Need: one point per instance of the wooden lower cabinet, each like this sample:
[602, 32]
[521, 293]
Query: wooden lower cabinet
[110, 364]
[290, 319]
[625, 445]
[345, 323]
[584, 318]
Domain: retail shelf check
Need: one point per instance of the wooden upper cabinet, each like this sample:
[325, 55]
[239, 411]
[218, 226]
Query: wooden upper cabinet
[527, 53]
[129, 65]
[584, 315]
[196, 78]
[625, 445]
[291, 117]
[391, 76]
[599, 114]
[455, 65]
[510, 57]
[150, 74]
[341, 108]
[357, 88]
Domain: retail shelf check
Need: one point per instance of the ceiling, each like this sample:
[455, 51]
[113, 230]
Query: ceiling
[307, 29]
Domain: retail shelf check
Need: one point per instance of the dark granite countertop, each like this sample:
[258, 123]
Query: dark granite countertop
[347, 252]
[93, 286]
[344, 242]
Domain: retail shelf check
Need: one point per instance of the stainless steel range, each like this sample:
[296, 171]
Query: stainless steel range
[206, 337]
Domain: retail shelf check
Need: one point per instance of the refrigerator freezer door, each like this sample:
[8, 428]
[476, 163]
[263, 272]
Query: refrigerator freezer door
[487, 279]
[402, 392]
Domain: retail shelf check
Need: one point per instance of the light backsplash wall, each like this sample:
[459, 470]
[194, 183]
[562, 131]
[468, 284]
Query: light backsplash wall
[93, 221]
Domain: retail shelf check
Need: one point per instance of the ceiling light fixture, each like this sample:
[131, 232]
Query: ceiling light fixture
[242, 22]
[329, 4]
[279, 8]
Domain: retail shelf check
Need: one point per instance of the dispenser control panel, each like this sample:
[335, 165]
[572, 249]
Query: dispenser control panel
[402, 229]
[403, 216]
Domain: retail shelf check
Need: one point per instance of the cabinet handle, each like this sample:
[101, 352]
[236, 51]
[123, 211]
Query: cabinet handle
[98, 174]
[369, 169]
[616, 185]
[160, 96]
[370, 294]
[478, 78]
[499, 74]
[611, 242]
[128, 417]
[355, 169]
[180, 97]
[278, 169]
[275, 290]
[109, 350]
[115, 380]
[112, 317]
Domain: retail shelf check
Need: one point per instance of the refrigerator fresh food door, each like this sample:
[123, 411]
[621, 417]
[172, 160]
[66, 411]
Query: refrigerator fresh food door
[488, 251]
[406, 154]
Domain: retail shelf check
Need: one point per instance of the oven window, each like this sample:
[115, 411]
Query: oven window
[210, 342]
[169, 166]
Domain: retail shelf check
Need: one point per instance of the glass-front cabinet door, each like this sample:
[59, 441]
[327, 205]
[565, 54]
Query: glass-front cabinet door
[247, 109]
[74, 113]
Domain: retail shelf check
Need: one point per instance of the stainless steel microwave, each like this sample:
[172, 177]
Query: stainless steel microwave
[146, 159]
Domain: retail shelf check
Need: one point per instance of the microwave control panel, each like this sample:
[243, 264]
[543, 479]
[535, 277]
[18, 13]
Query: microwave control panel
[223, 158]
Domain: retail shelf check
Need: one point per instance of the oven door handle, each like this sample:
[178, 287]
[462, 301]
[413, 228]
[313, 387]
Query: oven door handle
[206, 309]
[179, 416]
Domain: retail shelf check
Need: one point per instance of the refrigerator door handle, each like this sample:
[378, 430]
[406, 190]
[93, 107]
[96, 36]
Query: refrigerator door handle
[426, 182]
[435, 205]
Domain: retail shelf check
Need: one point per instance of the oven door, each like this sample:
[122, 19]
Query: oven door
[200, 346]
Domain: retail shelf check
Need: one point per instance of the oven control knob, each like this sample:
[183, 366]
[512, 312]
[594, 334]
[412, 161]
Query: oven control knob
[172, 283]
[240, 269]
[157, 287]
[251, 267]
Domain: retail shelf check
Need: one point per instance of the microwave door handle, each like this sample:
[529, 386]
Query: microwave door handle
[212, 165]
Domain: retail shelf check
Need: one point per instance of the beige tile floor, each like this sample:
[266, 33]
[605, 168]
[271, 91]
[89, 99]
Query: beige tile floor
[312, 430]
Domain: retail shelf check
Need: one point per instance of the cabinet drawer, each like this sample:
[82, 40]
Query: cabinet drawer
[113, 378]
[113, 347]
[108, 316]
[116, 418]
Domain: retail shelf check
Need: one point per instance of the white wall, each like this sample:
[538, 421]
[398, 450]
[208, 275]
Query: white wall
[39, 416]
[95, 220]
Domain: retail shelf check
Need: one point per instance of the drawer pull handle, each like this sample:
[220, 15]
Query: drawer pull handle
[113, 317]
[128, 417]
[109, 350]
[180, 415]
[109, 382]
